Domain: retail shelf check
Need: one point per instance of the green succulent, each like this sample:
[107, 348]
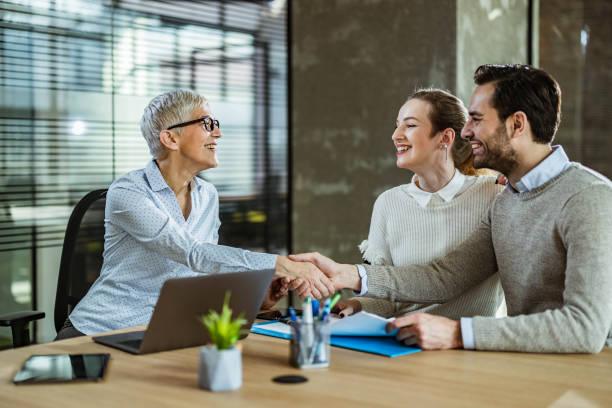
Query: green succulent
[223, 330]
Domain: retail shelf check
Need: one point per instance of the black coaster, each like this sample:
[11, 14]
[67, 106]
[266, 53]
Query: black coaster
[290, 379]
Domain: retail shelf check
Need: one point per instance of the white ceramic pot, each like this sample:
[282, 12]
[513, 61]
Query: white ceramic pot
[220, 370]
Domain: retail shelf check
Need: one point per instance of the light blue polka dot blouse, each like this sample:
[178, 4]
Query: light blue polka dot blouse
[147, 240]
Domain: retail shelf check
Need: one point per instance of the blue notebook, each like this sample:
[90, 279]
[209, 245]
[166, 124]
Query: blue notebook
[385, 346]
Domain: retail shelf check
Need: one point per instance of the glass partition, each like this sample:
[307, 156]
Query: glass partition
[75, 77]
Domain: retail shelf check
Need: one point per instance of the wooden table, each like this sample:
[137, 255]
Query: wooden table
[425, 379]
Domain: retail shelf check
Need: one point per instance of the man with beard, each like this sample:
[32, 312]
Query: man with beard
[549, 233]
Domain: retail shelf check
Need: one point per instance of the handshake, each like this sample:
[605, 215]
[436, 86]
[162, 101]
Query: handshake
[310, 274]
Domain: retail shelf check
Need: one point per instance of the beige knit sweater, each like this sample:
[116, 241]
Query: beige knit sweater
[553, 249]
[402, 232]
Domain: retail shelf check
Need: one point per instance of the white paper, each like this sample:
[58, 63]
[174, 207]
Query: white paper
[360, 324]
[276, 327]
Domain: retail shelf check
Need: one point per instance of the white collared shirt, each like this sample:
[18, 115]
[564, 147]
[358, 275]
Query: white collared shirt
[147, 241]
[457, 185]
[554, 164]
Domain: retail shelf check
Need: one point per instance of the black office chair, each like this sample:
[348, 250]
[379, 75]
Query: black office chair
[80, 266]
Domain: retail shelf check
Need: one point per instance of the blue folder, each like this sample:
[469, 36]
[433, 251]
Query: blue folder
[385, 346]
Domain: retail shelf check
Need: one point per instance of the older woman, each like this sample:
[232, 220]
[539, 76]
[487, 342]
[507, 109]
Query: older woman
[418, 222]
[162, 222]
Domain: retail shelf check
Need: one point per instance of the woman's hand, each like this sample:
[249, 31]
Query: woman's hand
[277, 290]
[347, 307]
[313, 282]
[343, 276]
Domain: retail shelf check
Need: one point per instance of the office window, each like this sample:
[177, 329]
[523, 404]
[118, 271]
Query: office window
[75, 76]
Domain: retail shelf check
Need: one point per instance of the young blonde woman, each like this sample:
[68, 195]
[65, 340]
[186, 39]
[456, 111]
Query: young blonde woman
[418, 222]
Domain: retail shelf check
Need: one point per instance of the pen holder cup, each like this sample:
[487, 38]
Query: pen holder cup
[309, 345]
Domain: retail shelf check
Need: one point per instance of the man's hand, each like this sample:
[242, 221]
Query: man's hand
[347, 307]
[429, 332]
[277, 290]
[314, 284]
[343, 276]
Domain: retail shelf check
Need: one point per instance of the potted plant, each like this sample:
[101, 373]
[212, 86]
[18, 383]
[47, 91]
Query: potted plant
[220, 366]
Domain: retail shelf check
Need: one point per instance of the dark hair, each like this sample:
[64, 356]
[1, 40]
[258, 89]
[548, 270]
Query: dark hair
[527, 89]
[447, 111]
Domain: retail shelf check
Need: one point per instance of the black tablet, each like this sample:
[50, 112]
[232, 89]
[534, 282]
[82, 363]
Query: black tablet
[62, 368]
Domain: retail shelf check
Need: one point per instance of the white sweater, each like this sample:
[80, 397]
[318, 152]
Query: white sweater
[411, 226]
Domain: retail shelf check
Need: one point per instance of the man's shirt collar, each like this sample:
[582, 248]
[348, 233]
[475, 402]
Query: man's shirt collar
[553, 165]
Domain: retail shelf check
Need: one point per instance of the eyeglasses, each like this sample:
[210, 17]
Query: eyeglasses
[209, 123]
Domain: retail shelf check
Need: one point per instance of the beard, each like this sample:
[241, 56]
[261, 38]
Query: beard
[500, 155]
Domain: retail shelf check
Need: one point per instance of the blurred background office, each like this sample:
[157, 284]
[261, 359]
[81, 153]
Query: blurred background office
[306, 92]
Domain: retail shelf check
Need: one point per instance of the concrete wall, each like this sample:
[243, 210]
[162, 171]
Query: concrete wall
[354, 63]
[488, 32]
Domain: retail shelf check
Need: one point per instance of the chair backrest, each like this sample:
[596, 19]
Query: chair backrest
[81, 259]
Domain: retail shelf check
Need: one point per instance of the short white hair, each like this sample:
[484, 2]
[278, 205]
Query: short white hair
[166, 110]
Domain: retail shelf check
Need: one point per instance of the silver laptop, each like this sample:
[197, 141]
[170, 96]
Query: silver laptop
[175, 322]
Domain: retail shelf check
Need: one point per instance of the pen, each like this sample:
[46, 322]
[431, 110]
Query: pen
[321, 350]
[315, 308]
[326, 309]
[316, 346]
[292, 314]
[306, 326]
[307, 311]
[334, 301]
